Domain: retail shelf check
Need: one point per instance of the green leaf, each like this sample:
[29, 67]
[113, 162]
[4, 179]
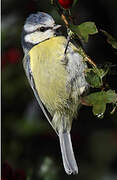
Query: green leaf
[99, 109]
[84, 30]
[111, 96]
[99, 100]
[110, 39]
[94, 76]
[93, 79]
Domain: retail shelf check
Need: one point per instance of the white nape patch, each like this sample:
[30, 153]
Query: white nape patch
[37, 36]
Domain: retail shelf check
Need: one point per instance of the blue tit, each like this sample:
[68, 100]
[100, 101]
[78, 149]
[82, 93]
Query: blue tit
[56, 77]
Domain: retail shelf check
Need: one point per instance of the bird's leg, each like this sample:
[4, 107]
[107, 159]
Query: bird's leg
[64, 60]
[68, 40]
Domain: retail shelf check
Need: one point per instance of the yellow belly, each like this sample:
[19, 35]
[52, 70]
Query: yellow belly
[49, 73]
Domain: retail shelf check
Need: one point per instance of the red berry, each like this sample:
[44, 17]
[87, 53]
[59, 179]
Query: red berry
[66, 3]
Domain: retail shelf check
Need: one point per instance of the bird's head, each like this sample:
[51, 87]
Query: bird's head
[37, 28]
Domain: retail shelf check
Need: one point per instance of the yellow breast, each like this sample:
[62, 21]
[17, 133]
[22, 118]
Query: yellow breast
[49, 72]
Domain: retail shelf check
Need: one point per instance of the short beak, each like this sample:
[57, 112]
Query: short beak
[56, 26]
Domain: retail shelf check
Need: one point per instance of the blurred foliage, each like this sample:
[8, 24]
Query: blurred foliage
[48, 170]
[111, 40]
[28, 141]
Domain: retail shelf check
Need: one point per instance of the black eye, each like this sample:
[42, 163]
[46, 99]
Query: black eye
[42, 29]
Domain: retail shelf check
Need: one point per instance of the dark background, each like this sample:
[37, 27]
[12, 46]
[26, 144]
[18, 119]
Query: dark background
[30, 147]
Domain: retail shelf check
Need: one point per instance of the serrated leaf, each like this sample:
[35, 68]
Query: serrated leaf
[110, 39]
[111, 96]
[99, 100]
[95, 75]
[93, 98]
[84, 30]
[94, 80]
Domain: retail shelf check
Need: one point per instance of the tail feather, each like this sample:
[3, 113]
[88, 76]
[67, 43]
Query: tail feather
[69, 161]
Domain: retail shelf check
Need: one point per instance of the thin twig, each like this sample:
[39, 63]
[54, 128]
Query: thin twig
[90, 61]
[65, 20]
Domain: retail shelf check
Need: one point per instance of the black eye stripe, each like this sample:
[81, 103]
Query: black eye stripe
[42, 29]
[39, 29]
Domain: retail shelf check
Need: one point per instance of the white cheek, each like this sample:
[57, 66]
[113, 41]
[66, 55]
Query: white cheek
[32, 38]
[48, 34]
[37, 37]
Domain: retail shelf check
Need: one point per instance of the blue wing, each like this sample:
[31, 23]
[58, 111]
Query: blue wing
[26, 64]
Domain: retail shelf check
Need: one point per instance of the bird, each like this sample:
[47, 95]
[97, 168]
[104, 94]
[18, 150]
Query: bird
[56, 76]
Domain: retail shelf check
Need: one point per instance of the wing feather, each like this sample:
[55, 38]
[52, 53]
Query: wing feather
[26, 64]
